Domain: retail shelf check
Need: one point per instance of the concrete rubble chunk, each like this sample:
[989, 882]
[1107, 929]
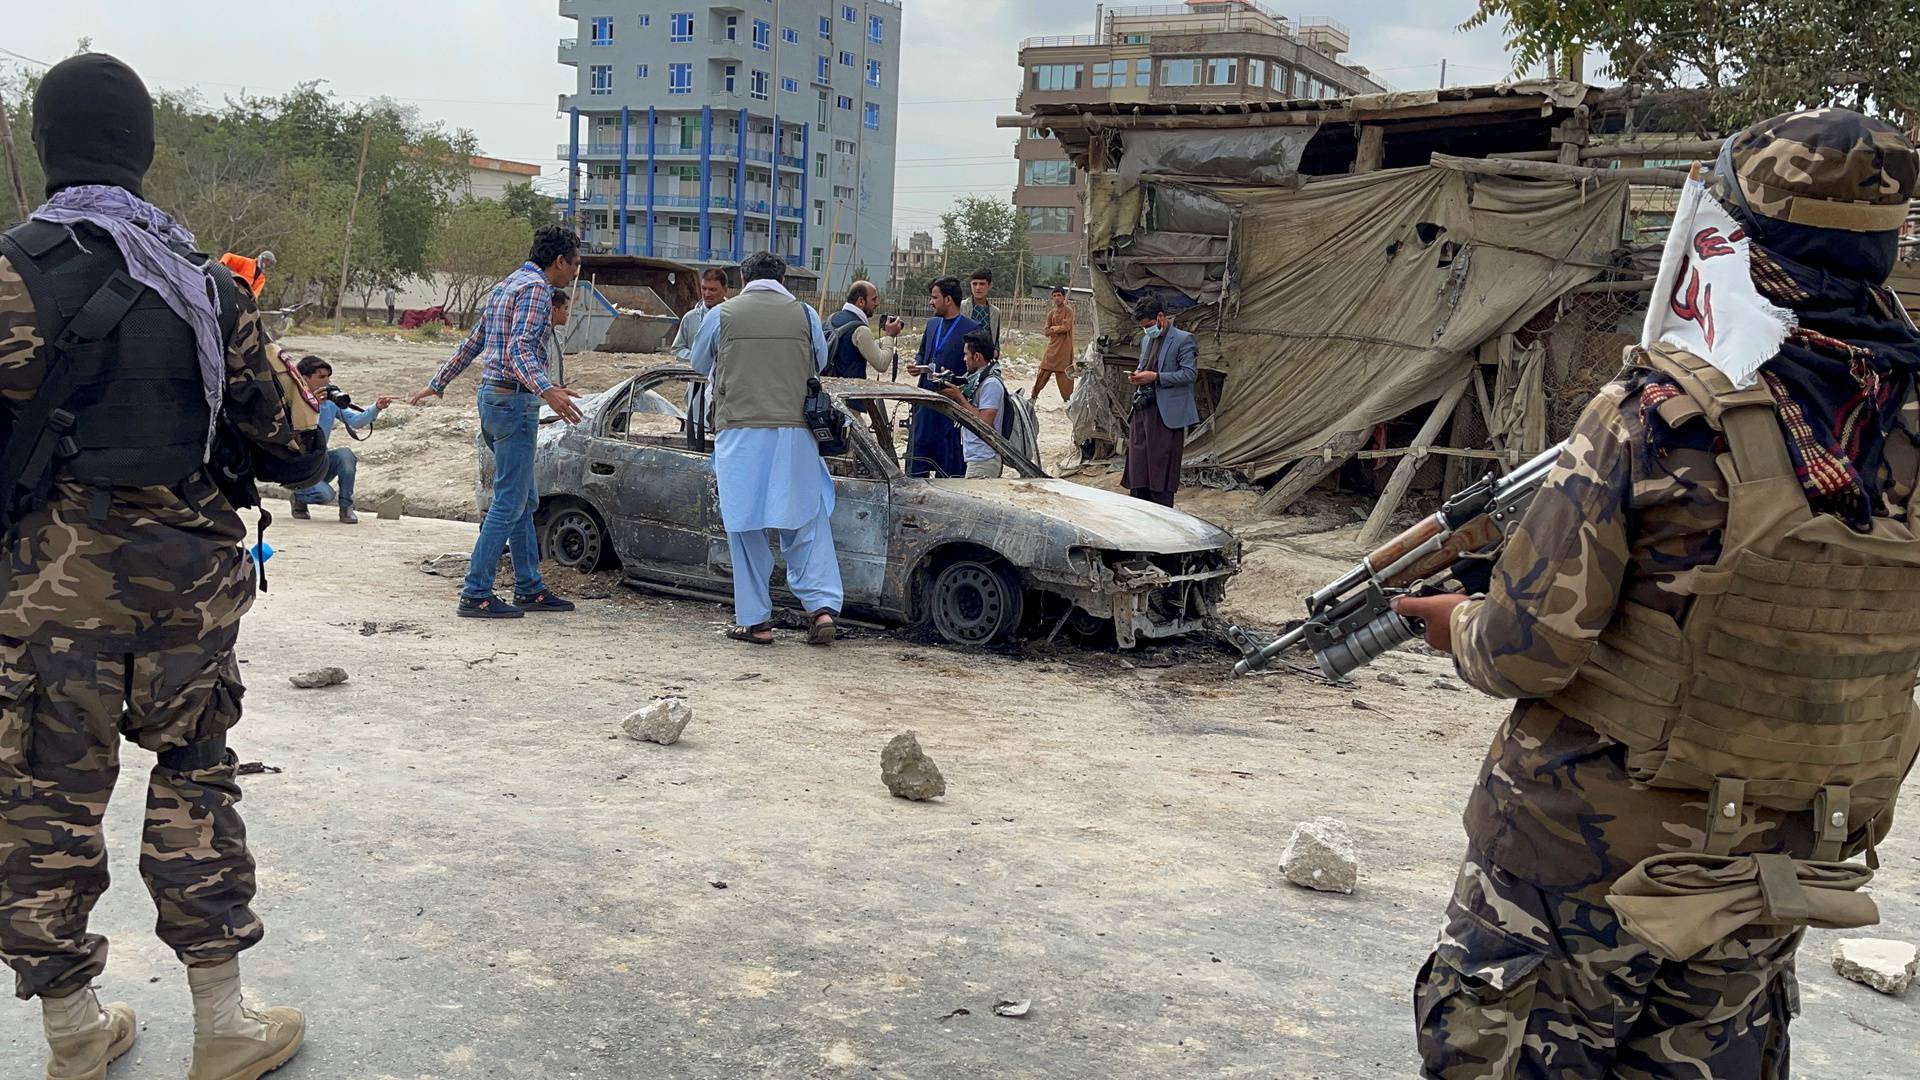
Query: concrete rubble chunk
[1320, 856]
[1388, 678]
[908, 772]
[1446, 684]
[1887, 966]
[661, 722]
[315, 680]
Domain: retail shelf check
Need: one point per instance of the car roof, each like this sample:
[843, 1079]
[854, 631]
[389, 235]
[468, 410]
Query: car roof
[840, 388]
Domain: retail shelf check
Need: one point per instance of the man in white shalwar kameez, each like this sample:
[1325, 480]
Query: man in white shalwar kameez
[759, 349]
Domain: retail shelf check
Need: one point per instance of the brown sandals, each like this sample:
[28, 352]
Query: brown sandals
[751, 634]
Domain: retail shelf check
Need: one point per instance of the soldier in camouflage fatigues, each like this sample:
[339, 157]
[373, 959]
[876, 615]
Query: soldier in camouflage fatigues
[119, 609]
[1534, 975]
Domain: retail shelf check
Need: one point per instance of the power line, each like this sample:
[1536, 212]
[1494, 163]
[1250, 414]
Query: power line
[23, 56]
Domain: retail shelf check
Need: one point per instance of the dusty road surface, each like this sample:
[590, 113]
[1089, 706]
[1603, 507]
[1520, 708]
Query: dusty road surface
[467, 872]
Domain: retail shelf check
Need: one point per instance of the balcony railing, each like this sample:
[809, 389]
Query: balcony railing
[567, 43]
[1059, 42]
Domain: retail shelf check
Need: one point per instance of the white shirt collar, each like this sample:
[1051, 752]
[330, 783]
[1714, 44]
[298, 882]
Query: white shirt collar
[764, 285]
[857, 313]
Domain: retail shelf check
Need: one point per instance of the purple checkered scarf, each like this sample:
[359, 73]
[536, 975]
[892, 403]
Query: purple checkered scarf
[143, 233]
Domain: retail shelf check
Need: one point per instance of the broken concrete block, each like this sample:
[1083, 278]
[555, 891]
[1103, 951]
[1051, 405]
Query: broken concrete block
[1320, 856]
[391, 506]
[908, 772]
[1887, 966]
[315, 680]
[661, 722]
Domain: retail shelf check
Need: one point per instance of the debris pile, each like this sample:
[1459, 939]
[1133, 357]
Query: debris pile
[908, 772]
[315, 680]
[1320, 856]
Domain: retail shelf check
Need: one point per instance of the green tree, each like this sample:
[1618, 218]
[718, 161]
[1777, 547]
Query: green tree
[1762, 57]
[479, 243]
[539, 210]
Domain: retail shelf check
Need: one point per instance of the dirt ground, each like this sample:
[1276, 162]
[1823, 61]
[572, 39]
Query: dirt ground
[467, 872]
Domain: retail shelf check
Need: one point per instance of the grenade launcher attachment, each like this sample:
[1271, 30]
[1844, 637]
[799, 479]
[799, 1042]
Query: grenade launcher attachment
[1351, 622]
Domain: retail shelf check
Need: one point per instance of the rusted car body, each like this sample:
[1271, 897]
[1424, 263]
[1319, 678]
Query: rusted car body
[978, 560]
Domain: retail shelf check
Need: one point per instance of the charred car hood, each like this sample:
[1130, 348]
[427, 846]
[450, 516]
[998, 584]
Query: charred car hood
[1107, 518]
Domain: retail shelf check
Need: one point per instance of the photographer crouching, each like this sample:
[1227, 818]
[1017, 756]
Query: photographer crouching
[342, 463]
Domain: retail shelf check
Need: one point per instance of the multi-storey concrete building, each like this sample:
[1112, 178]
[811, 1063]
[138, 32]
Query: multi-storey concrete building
[1200, 52]
[705, 131]
[914, 260]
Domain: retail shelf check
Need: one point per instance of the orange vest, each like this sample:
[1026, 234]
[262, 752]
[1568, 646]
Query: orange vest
[247, 269]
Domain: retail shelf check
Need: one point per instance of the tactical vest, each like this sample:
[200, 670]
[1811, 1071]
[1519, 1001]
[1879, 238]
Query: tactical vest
[845, 361]
[1789, 683]
[136, 414]
[766, 358]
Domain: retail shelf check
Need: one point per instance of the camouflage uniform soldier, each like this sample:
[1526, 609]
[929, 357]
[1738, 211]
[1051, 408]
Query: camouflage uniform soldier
[1681, 644]
[124, 578]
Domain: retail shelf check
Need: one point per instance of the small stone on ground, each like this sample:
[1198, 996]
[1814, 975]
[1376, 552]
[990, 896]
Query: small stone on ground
[908, 772]
[1390, 679]
[661, 722]
[315, 680]
[1320, 856]
[1887, 966]
[1446, 684]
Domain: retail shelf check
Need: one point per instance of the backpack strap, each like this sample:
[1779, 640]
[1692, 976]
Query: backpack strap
[43, 425]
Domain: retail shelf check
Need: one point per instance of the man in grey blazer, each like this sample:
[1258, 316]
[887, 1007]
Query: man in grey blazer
[1163, 405]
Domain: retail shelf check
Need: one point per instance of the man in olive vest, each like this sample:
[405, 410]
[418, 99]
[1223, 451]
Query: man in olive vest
[126, 581]
[1711, 618]
[760, 349]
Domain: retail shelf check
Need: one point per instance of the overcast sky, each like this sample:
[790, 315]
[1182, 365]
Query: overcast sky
[489, 65]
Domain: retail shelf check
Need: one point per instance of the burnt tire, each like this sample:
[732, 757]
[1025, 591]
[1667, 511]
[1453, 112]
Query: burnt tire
[576, 538]
[975, 602]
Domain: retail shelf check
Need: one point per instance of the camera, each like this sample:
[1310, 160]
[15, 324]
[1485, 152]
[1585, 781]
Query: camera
[338, 397]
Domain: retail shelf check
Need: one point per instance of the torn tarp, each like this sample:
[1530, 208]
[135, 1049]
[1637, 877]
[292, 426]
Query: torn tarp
[1265, 155]
[1349, 301]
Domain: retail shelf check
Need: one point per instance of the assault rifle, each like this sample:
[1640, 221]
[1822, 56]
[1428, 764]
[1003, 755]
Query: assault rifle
[1351, 622]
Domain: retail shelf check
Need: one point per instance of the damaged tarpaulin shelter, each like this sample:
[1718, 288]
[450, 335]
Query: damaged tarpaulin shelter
[1342, 263]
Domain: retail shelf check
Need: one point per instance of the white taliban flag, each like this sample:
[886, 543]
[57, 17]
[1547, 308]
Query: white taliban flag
[1704, 300]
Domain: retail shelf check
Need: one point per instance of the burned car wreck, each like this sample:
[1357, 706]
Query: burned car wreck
[977, 561]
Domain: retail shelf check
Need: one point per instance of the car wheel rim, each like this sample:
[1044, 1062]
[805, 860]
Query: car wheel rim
[576, 540]
[973, 602]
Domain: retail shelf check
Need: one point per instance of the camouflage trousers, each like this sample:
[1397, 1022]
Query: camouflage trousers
[63, 714]
[1530, 983]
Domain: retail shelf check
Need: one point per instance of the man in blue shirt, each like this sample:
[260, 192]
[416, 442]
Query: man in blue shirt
[342, 463]
[933, 439]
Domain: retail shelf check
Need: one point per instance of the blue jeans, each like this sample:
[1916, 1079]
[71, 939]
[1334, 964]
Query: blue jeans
[509, 424]
[342, 465]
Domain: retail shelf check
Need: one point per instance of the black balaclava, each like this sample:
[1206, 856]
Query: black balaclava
[93, 124]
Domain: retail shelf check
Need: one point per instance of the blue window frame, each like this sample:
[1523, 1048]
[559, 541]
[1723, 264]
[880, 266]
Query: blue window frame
[640, 72]
[789, 35]
[646, 20]
[826, 26]
[682, 26]
[873, 116]
[846, 59]
[826, 70]
[679, 78]
[602, 76]
[603, 30]
[789, 86]
[762, 35]
[846, 102]
[873, 73]
[758, 86]
[847, 13]
[876, 29]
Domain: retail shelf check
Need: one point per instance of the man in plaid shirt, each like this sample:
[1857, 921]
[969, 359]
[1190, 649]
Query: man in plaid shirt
[511, 343]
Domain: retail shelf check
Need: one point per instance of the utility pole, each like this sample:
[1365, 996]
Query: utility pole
[353, 211]
[13, 161]
[1443, 73]
[826, 268]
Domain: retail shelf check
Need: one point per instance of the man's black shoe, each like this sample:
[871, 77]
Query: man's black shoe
[545, 601]
[300, 510]
[488, 607]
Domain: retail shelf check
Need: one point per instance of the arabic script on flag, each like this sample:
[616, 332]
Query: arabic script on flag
[1704, 300]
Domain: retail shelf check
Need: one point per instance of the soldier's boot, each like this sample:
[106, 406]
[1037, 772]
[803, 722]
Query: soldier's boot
[300, 508]
[231, 1039]
[83, 1038]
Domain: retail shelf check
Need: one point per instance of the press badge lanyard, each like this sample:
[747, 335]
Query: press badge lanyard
[940, 337]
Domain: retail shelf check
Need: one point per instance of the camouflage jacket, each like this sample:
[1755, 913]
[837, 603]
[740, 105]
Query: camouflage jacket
[1554, 804]
[149, 568]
